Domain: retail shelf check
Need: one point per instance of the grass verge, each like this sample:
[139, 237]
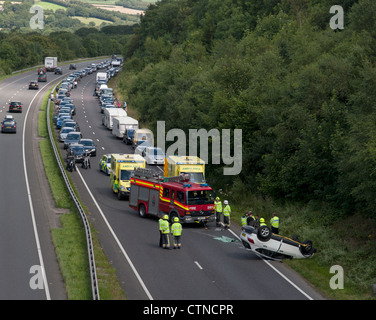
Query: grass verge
[70, 240]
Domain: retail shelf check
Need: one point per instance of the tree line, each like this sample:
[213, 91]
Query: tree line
[302, 93]
[19, 50]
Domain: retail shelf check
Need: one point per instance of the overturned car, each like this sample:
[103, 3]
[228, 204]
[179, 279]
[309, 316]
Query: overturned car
[266, 244]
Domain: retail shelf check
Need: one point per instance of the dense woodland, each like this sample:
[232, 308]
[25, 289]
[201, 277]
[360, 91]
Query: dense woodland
[302, 93]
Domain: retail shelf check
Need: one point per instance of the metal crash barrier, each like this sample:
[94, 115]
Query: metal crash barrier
[93, 272]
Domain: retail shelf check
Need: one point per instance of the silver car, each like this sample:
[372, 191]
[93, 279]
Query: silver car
[153, 155]
[64, 132]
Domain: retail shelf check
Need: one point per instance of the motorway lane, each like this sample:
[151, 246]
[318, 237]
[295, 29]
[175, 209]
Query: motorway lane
[21, 246]
[18, 247]
[205, 267]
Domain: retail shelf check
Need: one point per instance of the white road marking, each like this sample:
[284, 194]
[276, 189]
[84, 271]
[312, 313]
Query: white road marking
[117, 240]
[279, 272]
[198, 265]
[45, 282]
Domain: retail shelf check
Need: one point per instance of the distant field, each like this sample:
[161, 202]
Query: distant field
[110, 2]
[49, 5]
[106, 5]
[97, 21]
[119, 9]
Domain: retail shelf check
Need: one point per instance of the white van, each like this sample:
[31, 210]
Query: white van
[110, 113]
[120, 124]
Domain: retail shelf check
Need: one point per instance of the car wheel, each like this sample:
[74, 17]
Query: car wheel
[173, 215]
[142, 210]
[264, 233]
[307, 249]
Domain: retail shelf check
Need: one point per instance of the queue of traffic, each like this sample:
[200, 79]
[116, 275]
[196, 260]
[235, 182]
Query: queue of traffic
[180, 193]
[79, 149]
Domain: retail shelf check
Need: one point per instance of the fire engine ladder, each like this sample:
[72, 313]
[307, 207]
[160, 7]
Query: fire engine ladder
[145, 173]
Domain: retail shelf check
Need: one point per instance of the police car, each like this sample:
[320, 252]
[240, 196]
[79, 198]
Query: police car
[266, 244]
[105, 164]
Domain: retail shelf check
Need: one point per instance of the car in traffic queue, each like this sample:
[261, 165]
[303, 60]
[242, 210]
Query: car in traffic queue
[128, 136]
[153, 155]
[264, 243]
[78, 151]
[33, 85]
[140, 150]
[105, 164]
[69, 105]
[60, 120]
[72, 137]
[65, 85]
[65, 109]
[64, 132]
[15, 106]
[107, 106]
[89, 146]
[9, 125]
[72, 124]
[62, 112]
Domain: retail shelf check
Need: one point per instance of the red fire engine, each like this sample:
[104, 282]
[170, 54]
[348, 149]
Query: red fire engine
[175, 196]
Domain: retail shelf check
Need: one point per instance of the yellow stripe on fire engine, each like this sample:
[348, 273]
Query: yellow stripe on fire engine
[146, 184]
[181, 205]
[164, 199]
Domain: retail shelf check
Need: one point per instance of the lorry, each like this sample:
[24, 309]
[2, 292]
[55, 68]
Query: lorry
[174, 196]
[101, 76]
[193, 165]
[50, 63]
[120, 124]
[110, 113]
[115, 63]
[142, 135]
[122, 166]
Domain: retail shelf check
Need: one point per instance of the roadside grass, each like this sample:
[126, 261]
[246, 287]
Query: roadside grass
[70, 240]
[346, 241]
[117, 84]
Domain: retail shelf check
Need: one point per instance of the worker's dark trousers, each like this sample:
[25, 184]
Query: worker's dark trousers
[275, 230]
[165, 240]
[218, 217]
[176, 241]
[226, 221]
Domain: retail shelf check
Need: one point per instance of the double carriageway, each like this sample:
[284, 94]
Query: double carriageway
[208, 267]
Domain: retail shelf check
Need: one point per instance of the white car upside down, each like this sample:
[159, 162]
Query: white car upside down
[266, 244]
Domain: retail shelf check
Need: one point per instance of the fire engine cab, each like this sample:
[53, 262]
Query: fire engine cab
[175, 196]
